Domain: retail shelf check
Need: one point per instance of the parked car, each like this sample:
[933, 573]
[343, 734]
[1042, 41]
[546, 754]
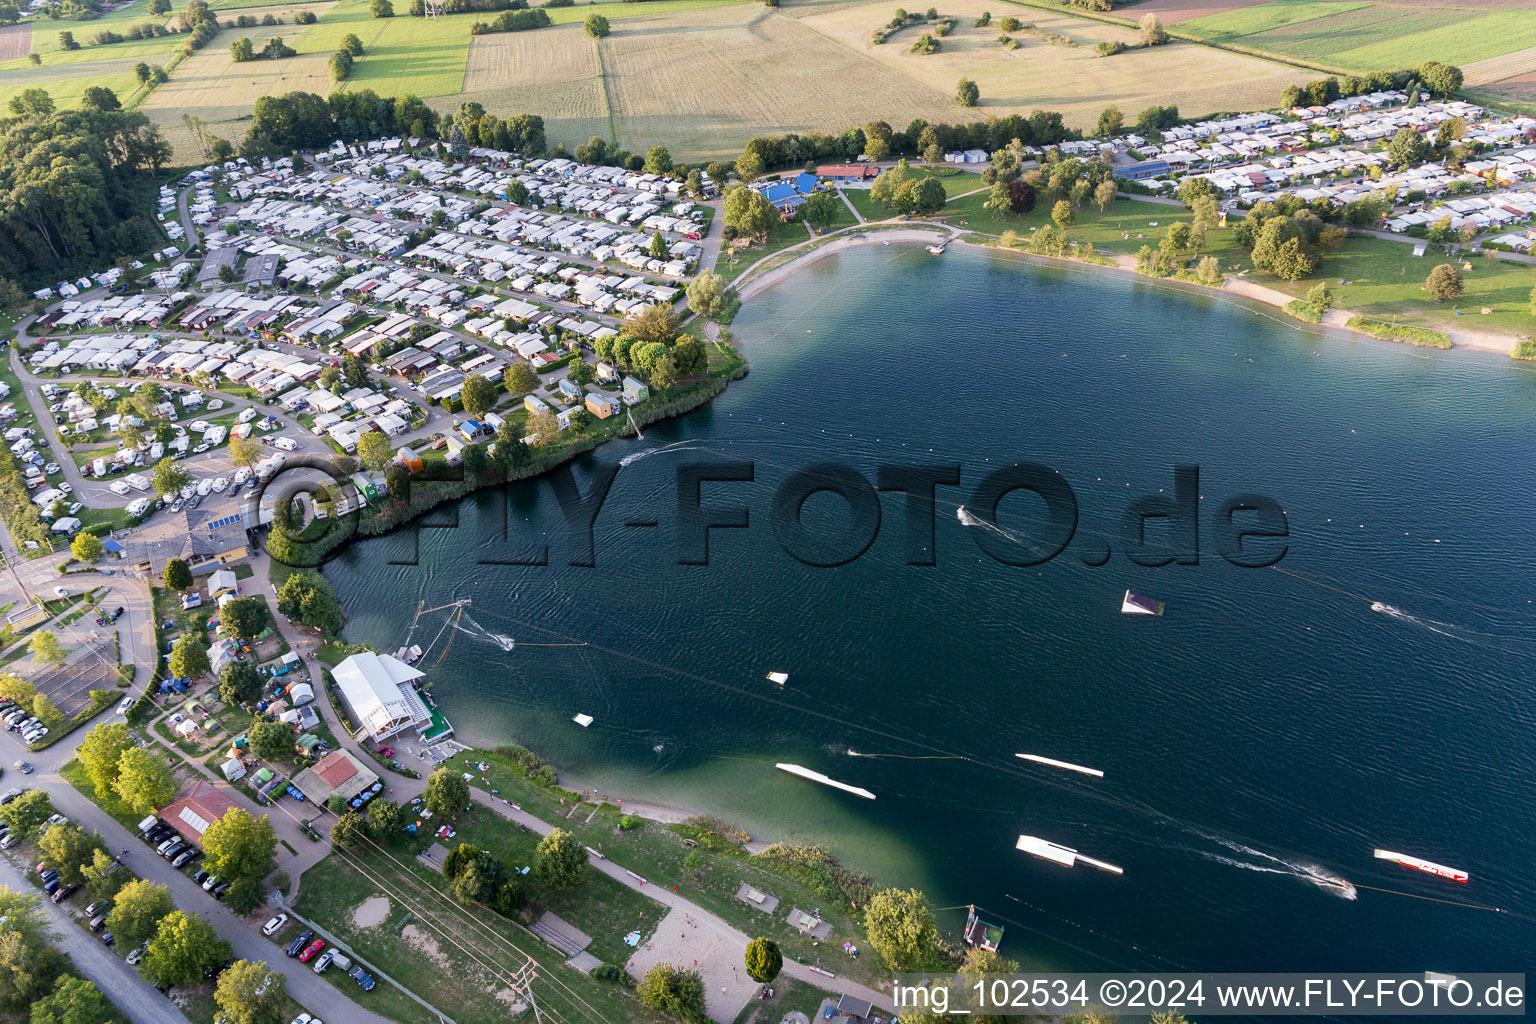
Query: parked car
[323, 961]
[175, 849]
[60, 592]
[210, 882]
[310, 951]
[107, 939]
[98, 922]
[10, 840]
[63, 893]
[200, 876]
[98, 907]
[138, 953]
[23, 767]
[219, 890]
[299, 942]
[274, 925]
[184, 856]
[362, 977]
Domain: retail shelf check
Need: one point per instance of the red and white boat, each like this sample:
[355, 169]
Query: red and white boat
[1420, 864]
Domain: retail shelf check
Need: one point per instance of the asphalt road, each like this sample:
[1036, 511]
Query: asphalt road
[119, 982]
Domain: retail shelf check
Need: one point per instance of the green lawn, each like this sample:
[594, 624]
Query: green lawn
[1232, 26]
[731, 266]
[789, 996]
[1323, 39]
[401, 54]
[566, 15]
[1460, 42]
[45, 40]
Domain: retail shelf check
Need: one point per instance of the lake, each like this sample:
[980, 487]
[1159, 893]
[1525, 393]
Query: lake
[1258, 740]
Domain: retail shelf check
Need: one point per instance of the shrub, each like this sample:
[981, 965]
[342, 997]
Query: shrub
[1399, 332]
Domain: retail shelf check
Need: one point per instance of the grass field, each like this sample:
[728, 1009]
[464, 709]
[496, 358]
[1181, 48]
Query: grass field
[1324, 39]
[1173, 12]
[1229, 26]
[1461, 42]
[67, 91]
[554, 73]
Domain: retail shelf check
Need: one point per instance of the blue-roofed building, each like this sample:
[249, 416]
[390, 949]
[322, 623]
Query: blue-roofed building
[782, 194]
[805, 183]
[1145, 169]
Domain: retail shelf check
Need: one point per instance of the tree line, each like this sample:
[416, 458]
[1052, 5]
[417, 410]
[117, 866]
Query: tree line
[1432, 76]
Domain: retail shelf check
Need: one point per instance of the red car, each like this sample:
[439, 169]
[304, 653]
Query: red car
[310, 950]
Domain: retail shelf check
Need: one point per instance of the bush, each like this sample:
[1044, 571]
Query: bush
[610, 973]
[1303, 311]
[1399, 332]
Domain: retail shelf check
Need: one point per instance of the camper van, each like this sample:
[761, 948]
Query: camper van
[137, 481]
[139, 506]
[119, 488]
[267, 468]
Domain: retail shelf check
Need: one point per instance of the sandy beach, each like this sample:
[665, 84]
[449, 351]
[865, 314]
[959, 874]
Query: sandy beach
[1482, 341]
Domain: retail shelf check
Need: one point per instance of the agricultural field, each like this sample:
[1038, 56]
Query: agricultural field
[704, 82]
[1172, 12]
[1370, 36]
[553, 72]
[1074, 80]
[15, 41]
[67, 85]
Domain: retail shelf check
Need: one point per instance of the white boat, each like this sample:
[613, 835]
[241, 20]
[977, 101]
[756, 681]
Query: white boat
[1139, 604]
[779, 678]
[937, 249]
[1068, 765]
[1063, 855]
[1420, 864]
[806, 773]
[583, 720]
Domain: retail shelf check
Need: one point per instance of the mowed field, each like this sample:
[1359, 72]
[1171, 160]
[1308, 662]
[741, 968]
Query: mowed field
[703, 82]
[1372, 36]
[1074, 80]
[553, 72]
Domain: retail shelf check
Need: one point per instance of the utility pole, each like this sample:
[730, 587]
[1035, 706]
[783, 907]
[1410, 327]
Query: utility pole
[10, 563]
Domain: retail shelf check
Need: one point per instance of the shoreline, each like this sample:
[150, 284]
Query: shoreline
[1241, 288]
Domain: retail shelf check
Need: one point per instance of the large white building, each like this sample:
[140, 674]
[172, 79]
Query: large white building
[377, 689]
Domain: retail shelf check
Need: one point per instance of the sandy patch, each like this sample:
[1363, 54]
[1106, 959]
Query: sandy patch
[371, 913]
[427, 946]
[683, 942]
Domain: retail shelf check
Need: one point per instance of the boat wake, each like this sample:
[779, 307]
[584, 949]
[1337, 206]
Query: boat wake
[1443, 628]
[472, 628]
[667, 449]
[1249, 859]
[967, 519]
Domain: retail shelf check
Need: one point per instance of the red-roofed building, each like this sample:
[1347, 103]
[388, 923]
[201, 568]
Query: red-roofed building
[336, 774]
[193, 813]
[847, 172]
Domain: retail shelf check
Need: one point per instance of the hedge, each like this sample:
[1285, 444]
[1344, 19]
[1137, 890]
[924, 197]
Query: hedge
[1400, 332]
[1302, 310]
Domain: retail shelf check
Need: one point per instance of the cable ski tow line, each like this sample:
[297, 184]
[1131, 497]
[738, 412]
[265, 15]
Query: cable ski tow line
[1296, 867]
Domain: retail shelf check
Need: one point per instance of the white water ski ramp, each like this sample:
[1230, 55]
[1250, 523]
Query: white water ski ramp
[1068, 765]
[1420, 864]
[806, 773]
[583, 720]
[779, 678]
[1063, 855]
[1139, 604]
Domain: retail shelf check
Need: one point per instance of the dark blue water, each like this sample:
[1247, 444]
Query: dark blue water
[1258, 740]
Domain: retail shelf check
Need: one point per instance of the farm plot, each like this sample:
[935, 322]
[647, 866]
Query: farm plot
[1517, 65]
[45, 39]
[403, 55]
[1462, 43]
[703, 82]
[1241, 25]
[67, 85]
[553, 72]
[1323, 39]
[1074, 80]
[628, 9]
[15, 41]
[1175, 12]
[211, 86]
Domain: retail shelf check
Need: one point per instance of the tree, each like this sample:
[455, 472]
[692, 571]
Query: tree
[447, 793]
[349, 830]
[749, 167]
[352, 44]
[581, 373]
[307, 597]
[32, 102]
[27, 813]
[385, 818]
[596, 25]
[1444, 282]
[657, 159]
[374, 451]
[1111, 122]
[764, 961]
[560, 859]
[967, 94]
[1063, 214]
[239, 845]
[189, 658]
[1407, 148]
[244, 452]
[655, 322]
[1104, 193]
[240, 683]
[1178, 238]
[100, 751]
[1209, 270]
[520, 379]
[143, 780]
[244, 617]
[67, 41]
[749, 212]
[169, 477]
[159, 7]
[382, 9]
[183, 947]
[67, 848]
[707, 292]
[478, 394]
[139, 907]
[245, 896]
[103, 876]
[341, 65]
[510, 449]
[271, 741]
[250, 992]
[72, 1001]
[1152, 33]
[1319, 297]
[99, 97]
[242, 50]
[1440, 79]
[900, 927]
[674, 992]
[45, 648]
